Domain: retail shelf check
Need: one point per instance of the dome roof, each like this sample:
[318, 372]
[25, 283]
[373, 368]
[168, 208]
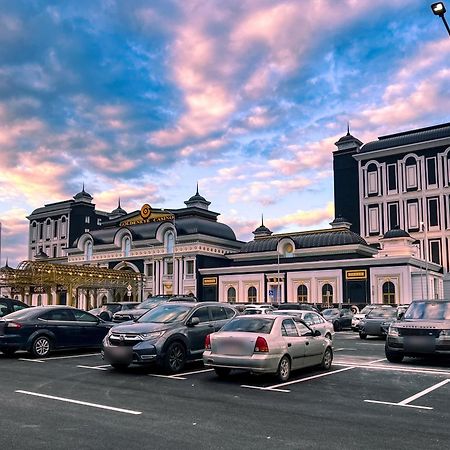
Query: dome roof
[396, 232]
[83, 195]
[262, 230]
[119, 211]
[197, 201]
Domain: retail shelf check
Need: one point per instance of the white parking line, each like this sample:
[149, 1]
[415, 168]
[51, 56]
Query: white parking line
[396, 369]
[407, 401]
[78, 402]
[104, 367]
[193, 372]
[171, 377]
[72, 356]
[31, 360]
[344, 348]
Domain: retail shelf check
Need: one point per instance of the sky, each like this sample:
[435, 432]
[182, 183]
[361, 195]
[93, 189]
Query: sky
[143, 99]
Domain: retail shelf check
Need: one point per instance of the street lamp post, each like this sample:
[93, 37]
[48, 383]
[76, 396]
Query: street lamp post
[439, 10]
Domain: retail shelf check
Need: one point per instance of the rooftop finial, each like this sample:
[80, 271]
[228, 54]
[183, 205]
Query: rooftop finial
[6, 265]
[262, 219]
[82, 190]
[348, 128]
[197, 189]
[119, 203]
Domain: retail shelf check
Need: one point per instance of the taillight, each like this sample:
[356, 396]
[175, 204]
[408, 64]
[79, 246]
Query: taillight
[13, 325]
[208, 342]
[261, 345]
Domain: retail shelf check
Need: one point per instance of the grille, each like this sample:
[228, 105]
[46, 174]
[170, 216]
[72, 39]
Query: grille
[124, 340]
[419, 332]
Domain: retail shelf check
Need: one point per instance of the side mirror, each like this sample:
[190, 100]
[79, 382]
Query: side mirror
[317, 333]
[401, 315]
[194, 321]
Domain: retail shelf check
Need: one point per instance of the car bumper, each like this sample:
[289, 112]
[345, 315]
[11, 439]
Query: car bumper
[144, 352]
[418, 347]
[253, 363]
[12, 341]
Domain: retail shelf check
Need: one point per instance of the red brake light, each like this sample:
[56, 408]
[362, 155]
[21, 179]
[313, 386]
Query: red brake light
[208, 342]
[261, 345]
[13, 325]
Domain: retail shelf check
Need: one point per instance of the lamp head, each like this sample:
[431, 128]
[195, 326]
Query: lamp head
[438, 8]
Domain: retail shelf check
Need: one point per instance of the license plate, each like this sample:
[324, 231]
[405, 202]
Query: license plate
[119, 352]
[423, 344]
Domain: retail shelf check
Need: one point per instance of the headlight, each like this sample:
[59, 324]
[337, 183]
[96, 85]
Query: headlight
[444, 333]
[150, 336]
[393, 331]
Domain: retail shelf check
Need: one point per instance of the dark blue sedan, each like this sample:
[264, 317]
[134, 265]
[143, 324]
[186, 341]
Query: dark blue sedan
[41, 329]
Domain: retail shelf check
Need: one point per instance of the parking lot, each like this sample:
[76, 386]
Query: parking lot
[75, 400]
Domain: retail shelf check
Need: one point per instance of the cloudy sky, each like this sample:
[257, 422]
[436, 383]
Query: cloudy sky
[143, 99]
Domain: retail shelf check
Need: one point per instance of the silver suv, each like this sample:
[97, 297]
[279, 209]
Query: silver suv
[423, 330]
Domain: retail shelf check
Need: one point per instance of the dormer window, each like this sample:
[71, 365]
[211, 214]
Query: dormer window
[169, 242]
[88, 250]
[126, 246]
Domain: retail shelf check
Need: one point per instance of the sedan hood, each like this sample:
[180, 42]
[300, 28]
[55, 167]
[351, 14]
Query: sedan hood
[138, 328]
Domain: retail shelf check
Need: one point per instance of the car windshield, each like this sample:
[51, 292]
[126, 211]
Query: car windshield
[252, 311]
[438, 310]
[111, 307]
[330, 312]
[167, 313]
[21, 314]
[385, 313]
[366, 309]
[250, 325]
[152, 301]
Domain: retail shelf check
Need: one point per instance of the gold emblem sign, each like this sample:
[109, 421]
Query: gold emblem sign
[146, 210]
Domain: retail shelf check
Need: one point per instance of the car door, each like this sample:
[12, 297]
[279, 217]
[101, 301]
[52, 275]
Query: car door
[346, 318]
[61, 323]
[220, 316]
[314, 345]
[92, 331]
[197, 333]
[4, 307]
[295, 344]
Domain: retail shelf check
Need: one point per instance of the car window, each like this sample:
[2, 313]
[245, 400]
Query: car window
[229, 312]
[218, 313]
[111, 307]
[18, 306]
[252, 311]
[202, 314]
[125, 307]
[82, 316]
[58, 315]
[250, 325]
[309, 318]
[165, 313]
[303, 329]
[317, 319]
[288, 328]
[438, 310]
[3, 308]
[382, 313]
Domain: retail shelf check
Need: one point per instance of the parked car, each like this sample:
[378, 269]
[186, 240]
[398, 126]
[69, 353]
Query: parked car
[258, 309]
[313, 319]
[41, 329]
[9, 305]
[302, 306]
[150, 303]
[423, 330]
[266, 344]
[340, 318]
[170, 334]
[356, 319]
[107, 310]
[377, 322]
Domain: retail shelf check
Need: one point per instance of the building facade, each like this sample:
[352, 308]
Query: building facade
[400, 180]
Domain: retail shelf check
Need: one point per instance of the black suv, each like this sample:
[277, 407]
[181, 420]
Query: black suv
[9, 305]
[169, 334]
[423, 330]
[150, 303]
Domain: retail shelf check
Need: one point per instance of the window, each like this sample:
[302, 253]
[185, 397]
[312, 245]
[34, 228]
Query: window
[149, 270]
[374, 226]
[435, 249]
[392, 177]
[288, 250]
[59, 315]
[55, 229]
[302, 293]
[41, 230]
[388, 293]
[251, 294]
[33, 232]
[431, 172]
[308, 318]
[288, 328]
[55, 251]
[189, 267]
[411, 174]
[169, 242]
[202, 314]
[317, 320]
[48, 229]
[169, 267]
[413, 215]
[231, 295]
[63, 227]
[126, 246]
[3, 308]
[372, 179]
[82, 316]
[327, 294]
[39, 300]
[87, 219]
[393, 215]
[218, 313]
[17, 306]
[88, 251]
[303, 329]
[433, 215]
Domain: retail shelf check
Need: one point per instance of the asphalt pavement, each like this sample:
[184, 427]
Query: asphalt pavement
[74, 400]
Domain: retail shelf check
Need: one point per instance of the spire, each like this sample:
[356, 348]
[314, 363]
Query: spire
[197, 189]
[197, 201]
[262, 230]
[262, 219]
[119, 203]
[348, 128]
[82, 190]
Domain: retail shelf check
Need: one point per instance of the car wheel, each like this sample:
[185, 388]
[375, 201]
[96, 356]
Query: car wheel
[337, 326]
[41, 347]
[284, 369]
[393, 357]
[175, 357]
[362, 335]
[327, 359]
[119, 366]
[328, 336]
[222, 372]
[9, 352]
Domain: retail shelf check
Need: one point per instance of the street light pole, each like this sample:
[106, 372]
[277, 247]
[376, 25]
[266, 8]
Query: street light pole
[439, 10]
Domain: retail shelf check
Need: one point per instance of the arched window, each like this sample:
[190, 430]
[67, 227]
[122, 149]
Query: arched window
[88, 251]
[48, 229]
[411, 174]
[231, 295]
[251, 294]
[288, 250]
[372, 179]
[388, 293]
[327, 294]
[169, 242]
[302, 293]
[63, 227]
[33, 232]
[126, 246]
[39, 300]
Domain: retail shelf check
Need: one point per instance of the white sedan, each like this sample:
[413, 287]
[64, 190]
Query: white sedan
[266, 344]
[312, 319]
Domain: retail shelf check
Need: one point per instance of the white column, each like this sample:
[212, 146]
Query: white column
[156, 278]
[181, 276]
[175, 276]
[161, 273]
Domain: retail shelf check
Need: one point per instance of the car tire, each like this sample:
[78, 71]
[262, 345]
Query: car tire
[284, 369]
[41, 346]
[393, 357]
[362, 335]
[337, 326]
[119, 366]
[9, 352]
[222, 372]
[327, 359]
[175, 357]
